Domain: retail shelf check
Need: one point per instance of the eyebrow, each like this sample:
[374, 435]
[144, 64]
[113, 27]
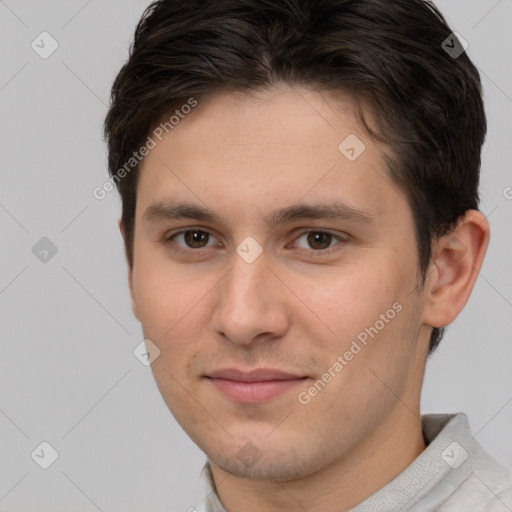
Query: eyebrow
[169, 210]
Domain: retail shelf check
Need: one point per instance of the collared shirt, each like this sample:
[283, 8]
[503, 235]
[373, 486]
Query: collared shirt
[453, 474]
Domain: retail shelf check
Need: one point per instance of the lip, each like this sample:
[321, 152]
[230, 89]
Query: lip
[257, 375]
[255, 386]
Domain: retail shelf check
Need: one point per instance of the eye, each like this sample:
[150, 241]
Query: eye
[315, 242]
[319, 241]
[193, 239]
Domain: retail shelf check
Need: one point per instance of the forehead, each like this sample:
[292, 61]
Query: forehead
[279, 146]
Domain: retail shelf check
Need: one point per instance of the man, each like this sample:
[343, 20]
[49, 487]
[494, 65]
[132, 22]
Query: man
[300, 215]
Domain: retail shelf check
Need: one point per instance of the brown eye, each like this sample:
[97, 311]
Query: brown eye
[192, 239]
[195, 238]
[319, 240]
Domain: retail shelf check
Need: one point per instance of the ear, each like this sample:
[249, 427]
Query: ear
[456, 261]
[135, 308]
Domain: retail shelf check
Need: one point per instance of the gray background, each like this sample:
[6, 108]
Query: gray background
[68, 373]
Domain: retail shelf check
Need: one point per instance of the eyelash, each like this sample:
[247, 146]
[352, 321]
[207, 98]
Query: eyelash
[315, 252]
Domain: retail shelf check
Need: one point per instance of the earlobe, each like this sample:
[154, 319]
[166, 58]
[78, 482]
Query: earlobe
[456, 260]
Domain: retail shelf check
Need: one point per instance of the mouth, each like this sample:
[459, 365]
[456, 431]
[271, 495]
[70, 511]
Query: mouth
[255, 386]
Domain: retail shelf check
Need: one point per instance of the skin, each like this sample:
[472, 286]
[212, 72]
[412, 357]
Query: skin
[294, 308]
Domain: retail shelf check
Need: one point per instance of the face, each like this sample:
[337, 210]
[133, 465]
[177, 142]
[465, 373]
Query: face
[281, 327]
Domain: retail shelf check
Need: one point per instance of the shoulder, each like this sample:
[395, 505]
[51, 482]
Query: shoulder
[481, 492]
[485, 486]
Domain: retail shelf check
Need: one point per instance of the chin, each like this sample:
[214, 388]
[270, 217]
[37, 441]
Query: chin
[275, 470]
[268, 463]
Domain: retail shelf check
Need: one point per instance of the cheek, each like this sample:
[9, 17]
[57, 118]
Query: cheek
[371, 316]
[348, 304]
[171, 309]
[155, 299]
[162, 294]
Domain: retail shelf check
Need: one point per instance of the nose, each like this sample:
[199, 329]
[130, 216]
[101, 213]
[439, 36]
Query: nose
[251, 303]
